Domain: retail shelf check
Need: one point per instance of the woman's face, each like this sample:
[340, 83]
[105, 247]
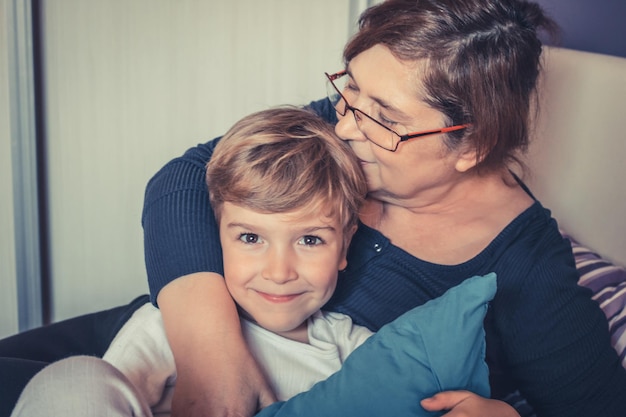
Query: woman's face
[388, 90]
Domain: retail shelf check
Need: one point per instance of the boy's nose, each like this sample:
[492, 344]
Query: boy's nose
[280, 266]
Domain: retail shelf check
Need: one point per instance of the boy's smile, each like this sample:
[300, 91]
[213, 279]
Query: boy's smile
[276, 298]
[280, 268]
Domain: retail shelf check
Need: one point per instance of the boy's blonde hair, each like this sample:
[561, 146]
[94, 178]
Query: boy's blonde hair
[286, 159]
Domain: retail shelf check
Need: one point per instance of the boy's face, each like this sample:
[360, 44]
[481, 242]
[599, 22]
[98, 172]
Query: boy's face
[280, 267]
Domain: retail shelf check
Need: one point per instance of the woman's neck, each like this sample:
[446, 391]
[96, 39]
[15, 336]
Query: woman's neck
[453, 228]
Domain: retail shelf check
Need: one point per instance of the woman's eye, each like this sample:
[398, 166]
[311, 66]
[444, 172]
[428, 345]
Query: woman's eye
[249, 238]
[350, 87]
[386, 122]
[310, 240]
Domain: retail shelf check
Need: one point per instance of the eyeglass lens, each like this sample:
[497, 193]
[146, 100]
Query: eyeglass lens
[372, 128]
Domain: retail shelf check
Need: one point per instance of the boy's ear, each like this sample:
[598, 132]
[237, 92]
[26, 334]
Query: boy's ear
[346, 243]
[343, 264]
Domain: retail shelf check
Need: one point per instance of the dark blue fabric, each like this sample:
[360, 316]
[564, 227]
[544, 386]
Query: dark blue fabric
[14, 375]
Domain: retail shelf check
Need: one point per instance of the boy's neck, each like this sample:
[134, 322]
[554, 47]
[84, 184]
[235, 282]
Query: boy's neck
[299, 334]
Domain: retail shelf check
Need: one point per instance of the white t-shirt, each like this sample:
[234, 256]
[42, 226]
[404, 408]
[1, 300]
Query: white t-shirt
[141, 352]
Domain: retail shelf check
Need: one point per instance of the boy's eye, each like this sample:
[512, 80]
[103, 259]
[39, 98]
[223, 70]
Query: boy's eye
[310, 240]
[250, 238]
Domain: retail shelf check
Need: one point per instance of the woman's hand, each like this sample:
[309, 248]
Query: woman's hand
[467, 404]
[216, 374]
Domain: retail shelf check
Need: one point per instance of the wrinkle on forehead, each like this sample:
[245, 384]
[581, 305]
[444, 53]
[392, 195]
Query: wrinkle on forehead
[392, 79]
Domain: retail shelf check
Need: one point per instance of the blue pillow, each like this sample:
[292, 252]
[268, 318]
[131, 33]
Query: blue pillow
[438, 346]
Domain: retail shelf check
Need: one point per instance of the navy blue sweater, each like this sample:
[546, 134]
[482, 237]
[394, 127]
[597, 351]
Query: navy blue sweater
[545, 336]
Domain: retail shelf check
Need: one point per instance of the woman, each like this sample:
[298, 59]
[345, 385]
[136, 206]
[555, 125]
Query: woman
[435, 101]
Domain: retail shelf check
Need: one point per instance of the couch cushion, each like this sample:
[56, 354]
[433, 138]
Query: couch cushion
[608, 285]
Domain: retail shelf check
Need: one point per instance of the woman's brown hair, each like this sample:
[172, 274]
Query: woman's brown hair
[481, 60]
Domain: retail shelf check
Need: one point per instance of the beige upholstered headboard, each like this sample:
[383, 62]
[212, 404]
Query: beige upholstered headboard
[578, 158]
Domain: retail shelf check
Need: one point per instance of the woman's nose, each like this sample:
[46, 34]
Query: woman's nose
[347, 128]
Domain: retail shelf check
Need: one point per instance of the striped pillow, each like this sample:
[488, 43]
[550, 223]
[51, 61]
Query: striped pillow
[608, 284]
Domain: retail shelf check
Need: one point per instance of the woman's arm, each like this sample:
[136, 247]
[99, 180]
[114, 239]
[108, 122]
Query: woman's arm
[558, 345]
[217, 376]
[181, 236]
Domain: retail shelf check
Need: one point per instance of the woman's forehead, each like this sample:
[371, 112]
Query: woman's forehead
[393, 84]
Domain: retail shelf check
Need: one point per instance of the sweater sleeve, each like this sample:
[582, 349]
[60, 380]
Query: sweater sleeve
[557, 341]
[180, 233]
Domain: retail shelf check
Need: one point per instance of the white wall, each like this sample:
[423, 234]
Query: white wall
[131, 84]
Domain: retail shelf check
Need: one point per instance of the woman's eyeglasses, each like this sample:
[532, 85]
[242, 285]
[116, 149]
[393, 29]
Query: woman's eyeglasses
[374, 130]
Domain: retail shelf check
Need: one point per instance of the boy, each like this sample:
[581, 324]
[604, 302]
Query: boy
[286, 195]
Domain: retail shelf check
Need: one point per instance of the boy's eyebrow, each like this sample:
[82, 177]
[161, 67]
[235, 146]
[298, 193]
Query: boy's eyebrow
[310, 229]
[316, 228]
[241, 225]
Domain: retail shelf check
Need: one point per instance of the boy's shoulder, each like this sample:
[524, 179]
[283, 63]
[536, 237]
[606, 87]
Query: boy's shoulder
[337, 329]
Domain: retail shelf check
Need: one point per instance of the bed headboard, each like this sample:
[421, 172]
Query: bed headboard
[578, 154]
